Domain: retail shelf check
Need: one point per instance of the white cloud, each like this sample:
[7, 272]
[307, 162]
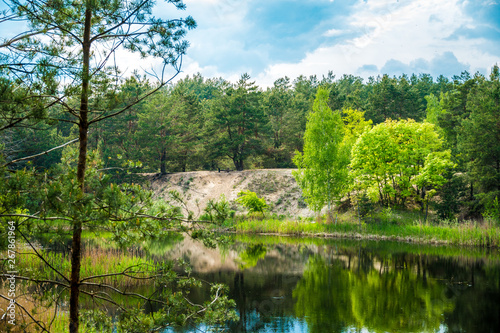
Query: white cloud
[192, 67]
[333, 33]
[404, 31]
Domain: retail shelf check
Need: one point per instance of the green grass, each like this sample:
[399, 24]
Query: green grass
[467, 233]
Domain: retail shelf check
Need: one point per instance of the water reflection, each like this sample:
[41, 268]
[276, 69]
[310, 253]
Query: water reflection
[333, 297]
[331, 286]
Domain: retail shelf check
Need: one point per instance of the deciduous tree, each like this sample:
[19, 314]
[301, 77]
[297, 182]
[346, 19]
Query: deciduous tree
[322, 169]
[392, 154]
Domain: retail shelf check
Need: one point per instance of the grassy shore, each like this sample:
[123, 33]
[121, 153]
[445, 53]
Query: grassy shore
[400, 228]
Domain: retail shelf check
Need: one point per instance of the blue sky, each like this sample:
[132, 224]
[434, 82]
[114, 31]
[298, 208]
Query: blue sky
[270, 39]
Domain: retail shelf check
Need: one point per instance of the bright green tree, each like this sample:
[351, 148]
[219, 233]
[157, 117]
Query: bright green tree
[322, 169]
[390, 156]
[252, 202]
[434, 109]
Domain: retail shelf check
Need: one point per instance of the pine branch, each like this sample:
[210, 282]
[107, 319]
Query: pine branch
[125, 272]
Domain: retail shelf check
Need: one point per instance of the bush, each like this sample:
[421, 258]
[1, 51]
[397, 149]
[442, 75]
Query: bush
[251, 202]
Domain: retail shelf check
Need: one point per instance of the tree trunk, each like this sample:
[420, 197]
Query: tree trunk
[81, 168]
[422, 197]
[238, 164]
[163, 158]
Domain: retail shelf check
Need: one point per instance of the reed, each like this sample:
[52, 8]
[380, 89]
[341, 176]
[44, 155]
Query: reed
[96, 261]
[400, 229]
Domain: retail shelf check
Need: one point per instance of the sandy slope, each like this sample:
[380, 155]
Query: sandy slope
[277, 186]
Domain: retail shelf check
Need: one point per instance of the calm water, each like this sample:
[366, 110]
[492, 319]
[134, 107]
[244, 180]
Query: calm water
[306, 285]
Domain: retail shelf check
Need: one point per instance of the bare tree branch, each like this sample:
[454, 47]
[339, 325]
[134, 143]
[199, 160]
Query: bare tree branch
[42, 258]
[25, 278]
[125, 272]
[37, 217]
[40, 154]
[20, 37]
[27, 312]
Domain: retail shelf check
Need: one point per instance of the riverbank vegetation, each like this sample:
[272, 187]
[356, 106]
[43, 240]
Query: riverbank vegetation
[468, 233]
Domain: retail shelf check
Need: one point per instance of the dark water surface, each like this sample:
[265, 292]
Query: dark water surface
[319, 285]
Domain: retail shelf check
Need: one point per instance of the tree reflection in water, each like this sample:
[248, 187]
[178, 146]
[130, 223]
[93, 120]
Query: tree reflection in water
[393, 298]
[296, 285]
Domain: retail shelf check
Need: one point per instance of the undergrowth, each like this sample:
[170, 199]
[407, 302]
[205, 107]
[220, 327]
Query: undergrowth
[388, 224]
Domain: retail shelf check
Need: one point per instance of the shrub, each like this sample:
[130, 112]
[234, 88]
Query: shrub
[251, 202]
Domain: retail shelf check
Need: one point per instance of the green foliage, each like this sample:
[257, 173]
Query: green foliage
[286, 110]
[354, 124]
[394, 98]
[218, 210]
[479, 136]
[452, 195]
[394, 156]
[435, 108]
[168, 129]
[365, 207]
[96, 321]
[237, 120]
[322, 168]
[251, 202]
[492, 211]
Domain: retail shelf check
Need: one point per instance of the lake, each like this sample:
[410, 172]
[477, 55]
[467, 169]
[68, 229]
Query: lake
[283, 284]
[287, 284]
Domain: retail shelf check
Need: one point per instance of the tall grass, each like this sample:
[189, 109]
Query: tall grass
[393, 228]
[96, 261]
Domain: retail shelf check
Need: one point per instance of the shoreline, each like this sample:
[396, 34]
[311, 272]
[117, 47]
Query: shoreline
[460, 235]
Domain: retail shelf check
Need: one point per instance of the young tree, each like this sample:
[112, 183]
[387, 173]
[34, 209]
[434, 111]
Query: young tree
[252, 202]
[322, 169]
[67, 53]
